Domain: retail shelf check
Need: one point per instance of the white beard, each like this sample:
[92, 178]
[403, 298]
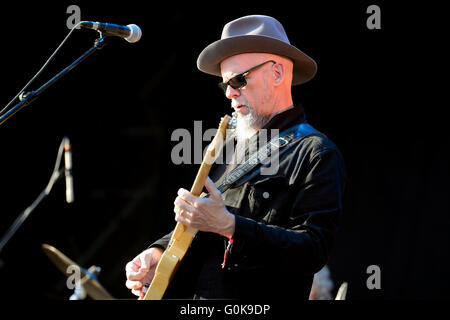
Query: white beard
[246, 128]
[248, 125]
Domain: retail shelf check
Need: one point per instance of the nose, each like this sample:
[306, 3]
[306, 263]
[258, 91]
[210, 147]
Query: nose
[232, 93]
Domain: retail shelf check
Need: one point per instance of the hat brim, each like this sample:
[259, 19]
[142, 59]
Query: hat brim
[210, 58]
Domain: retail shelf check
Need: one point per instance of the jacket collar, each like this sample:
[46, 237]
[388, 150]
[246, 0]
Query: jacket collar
[286, 118]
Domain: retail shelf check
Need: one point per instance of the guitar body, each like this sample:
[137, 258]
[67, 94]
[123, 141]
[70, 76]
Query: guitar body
[182, 236]
[170, 261]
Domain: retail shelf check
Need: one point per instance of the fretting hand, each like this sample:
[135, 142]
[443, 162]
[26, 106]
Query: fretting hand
[205, 214]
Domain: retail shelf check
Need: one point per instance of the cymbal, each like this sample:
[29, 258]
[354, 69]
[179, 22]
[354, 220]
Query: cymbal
[93, 288]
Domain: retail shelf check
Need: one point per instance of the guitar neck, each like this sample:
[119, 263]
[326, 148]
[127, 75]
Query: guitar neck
[202, 174]
[183, 235]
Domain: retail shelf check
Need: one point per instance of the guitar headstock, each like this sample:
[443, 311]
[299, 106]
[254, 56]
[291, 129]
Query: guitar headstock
[231, 121]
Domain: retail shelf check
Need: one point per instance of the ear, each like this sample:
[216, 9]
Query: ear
[278, 73]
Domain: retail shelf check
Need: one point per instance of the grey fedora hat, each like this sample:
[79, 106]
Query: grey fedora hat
[255, 33]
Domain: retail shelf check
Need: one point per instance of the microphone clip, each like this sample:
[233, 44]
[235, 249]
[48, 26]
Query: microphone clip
[100, 42]
[24, 95]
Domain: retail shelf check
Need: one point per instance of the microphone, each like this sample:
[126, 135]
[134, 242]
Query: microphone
[132, 33]
[68, 170]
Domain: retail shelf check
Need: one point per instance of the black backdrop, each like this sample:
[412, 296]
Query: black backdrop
[375, 95]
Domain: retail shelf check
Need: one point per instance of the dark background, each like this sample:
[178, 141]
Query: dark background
[376, 95]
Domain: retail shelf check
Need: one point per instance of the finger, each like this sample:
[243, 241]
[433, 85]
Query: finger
[181, 216]
[145, 262]
[184, 208]
[176, 208]
[133, 284]
[184, 221]
[136, 276]
[131, 267]
[136, 292]
[180, 213]
[177, 211]
[187, 196]
[133, 270]
[212, 189]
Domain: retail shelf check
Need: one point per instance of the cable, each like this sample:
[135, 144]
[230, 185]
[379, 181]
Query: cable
[42, 68]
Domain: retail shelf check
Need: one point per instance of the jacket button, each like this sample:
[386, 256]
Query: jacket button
[266, 195]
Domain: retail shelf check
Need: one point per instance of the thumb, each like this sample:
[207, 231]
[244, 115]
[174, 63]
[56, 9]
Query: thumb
[145, 262]
[212, 189]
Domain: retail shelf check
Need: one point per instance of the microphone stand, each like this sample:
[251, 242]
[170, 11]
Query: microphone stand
[29, 97]
[56, 175]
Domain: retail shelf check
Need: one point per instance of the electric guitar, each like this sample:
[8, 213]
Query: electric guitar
[182, 236]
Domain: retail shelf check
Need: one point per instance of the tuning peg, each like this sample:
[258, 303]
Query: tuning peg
[233, 121]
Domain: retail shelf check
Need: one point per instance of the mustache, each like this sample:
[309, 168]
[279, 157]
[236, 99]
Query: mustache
[235, 103]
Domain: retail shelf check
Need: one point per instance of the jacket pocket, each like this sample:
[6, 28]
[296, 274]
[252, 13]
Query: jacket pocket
[267, 198]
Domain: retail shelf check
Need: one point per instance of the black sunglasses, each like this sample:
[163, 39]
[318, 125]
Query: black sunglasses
[238, 81]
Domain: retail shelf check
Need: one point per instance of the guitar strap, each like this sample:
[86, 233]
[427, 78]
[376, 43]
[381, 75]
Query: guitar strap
[258, 160]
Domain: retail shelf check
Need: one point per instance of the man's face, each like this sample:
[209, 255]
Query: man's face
[256, 94]
[253, 103]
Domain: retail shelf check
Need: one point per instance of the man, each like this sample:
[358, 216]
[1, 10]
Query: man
[264, 238]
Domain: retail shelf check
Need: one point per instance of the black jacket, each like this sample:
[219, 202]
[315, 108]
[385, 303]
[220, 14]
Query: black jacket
[285, 225]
